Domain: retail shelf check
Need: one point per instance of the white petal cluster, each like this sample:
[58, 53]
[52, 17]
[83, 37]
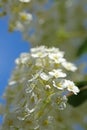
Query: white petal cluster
[71, 86]
[36, 90]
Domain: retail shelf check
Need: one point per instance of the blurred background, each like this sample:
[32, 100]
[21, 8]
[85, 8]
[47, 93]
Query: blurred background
[62, 24]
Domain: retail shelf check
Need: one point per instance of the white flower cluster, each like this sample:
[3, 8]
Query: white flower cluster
[37, 90]
[24, 20]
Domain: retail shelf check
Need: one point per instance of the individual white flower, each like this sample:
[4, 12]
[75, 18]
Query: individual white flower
[25, 1]
[39, 54]
[44, 76]
[46, 123]
[52, 50]
[58, 101]
[17, 61]
[19, 26]
[38, 49]
[62, 106]
[24, 58]
[71, 87]
[69, 66]
[25, 16]
[59, 84]
[57, 57]
[57, 73]
[24, 54]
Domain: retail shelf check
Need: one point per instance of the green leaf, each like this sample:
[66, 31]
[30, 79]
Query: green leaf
[76, 100]
[83, 48]
[81, 84]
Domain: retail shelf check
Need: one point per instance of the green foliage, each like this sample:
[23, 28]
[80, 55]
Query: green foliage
[83, 48]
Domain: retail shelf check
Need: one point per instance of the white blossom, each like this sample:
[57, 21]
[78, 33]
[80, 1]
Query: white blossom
[44, 76]
[37, 85]
[25, 16]
[71, 86]
[57, 57]
[59, 102]
[59, 84]
[69, 66]
[24, 19]
[39, 54]
[38, 49]
[19, 26]
[17, 61]
[57, 73]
